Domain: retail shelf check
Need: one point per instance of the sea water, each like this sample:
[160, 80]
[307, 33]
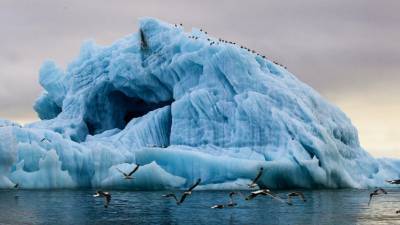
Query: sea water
[346, 206]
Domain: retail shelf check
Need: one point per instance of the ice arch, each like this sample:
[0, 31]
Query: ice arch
[185, 108]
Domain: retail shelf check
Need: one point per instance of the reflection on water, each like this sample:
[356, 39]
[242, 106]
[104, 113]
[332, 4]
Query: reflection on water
[79, 207]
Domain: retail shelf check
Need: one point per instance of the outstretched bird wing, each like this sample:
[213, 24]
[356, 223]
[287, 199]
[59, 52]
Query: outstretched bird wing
[122, 172]
[382, 190]
[393, 181]
[134, 170]
[370, 198]
[260, 172]
[231, 196]
[297, 193]
[45, 139]
[301, 195]
[171, 195]
[183, 197]
[107, 199]
[194, 185]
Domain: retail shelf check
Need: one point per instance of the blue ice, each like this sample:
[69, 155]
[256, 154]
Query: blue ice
[182, 109]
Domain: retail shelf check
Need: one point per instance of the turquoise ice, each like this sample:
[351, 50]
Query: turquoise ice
[183, 109]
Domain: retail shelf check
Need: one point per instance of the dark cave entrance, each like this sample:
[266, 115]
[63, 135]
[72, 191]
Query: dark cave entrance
[137, 108]
[117, 111]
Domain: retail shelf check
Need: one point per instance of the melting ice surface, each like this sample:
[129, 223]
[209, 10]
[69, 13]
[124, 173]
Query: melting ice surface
[183, 109]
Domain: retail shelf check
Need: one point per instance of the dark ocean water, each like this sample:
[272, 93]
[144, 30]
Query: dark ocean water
[79, 207]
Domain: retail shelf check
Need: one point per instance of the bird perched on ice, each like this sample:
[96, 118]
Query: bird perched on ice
[393, 181]
[264, 192]
[230, 204]
[375, 193]
[105, 195]
[129, 175]
[254, 182]
[185, 194]
[295, 194]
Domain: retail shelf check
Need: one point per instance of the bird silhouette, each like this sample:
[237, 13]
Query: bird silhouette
[129, 175]
[185, 194]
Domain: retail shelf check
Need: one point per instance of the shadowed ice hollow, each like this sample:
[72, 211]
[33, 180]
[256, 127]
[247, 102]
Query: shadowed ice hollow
[184, 109]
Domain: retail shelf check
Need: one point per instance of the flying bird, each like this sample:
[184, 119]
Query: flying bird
[230, 204]
[129, 175]
[375, 193]
[393, 181]
[105, 195]
[264, 192]
[254, 182]
[45, 139]
[295, 194]
[185, 194]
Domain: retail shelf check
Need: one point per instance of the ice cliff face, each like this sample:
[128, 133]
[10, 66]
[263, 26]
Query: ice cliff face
[182, 109]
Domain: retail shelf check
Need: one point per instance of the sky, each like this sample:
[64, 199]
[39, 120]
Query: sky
[349, 51]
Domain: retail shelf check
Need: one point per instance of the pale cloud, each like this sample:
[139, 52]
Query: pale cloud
[377, 124]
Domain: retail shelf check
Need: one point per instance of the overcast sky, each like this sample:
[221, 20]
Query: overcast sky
[349, 51]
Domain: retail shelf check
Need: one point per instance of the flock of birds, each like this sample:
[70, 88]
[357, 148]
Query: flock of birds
[180, 199]
[253, 194]
[220, 40]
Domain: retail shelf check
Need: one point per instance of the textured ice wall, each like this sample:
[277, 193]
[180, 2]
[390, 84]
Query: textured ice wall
[183, 108]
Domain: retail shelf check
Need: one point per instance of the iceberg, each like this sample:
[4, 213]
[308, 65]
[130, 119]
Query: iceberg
[183, 105]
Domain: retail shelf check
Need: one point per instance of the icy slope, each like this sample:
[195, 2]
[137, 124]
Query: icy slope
[183, 105]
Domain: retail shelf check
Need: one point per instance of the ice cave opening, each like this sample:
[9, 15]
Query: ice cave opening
[116, 111]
